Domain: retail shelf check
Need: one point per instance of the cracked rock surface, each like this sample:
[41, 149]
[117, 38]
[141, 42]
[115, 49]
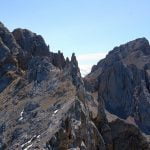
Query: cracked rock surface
[44, 104]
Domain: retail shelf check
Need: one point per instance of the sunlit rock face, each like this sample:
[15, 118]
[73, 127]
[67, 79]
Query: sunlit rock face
[122, 80]
[44, 104]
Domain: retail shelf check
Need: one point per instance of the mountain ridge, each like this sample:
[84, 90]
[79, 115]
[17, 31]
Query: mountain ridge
[124, 74]
[44, 103]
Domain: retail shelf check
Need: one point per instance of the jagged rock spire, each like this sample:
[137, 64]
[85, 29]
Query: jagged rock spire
[74, 60]
[58, 59]
[75, 71]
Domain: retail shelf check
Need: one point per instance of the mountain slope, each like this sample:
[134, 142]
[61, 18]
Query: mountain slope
[122, 80]
[44, 104]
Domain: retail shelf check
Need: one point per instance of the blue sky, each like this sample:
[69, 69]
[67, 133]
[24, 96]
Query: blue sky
[90, 28]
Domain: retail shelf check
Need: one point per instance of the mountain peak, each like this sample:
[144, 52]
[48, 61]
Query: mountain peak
[140, 44]
[31, 42]
[122, 80]
[44, 103]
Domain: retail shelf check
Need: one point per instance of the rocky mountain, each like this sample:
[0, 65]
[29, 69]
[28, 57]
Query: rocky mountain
[44, 104]
[122, 80]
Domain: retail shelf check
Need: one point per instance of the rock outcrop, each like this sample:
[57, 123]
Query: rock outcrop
[44, 103]
[122, 80]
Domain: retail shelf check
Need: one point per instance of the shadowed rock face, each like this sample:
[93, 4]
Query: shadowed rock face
[122, 81]
[126, 136]
[44, 103]
[30, 42]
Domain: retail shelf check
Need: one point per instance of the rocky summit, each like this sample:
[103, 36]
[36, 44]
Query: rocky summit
[46, 105]
[122, 81]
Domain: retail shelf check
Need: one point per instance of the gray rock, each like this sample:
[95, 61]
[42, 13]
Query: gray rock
[4, 51]
[46, 106]
[16, 134]
[127, 136]
[30, 106]
[2, 145]
[4, 82]
[8, 40]
[39, 69]
[2, 128]
[58, 60]
[31, 43]
[75, 72]
[77, 131]
[122, 81]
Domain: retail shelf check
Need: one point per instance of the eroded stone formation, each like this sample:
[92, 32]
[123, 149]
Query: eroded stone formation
[44, 103]
[123, 82]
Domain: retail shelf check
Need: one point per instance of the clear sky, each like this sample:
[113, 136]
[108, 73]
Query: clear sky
[90, 28]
